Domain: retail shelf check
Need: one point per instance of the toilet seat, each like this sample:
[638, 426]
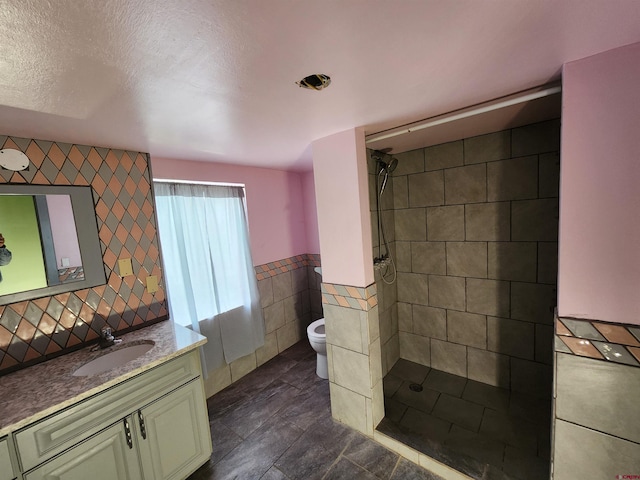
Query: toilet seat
[316, 331]
[318, 341]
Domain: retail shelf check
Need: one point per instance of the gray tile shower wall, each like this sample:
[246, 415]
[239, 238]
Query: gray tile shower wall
[475, 232]
[386, 293]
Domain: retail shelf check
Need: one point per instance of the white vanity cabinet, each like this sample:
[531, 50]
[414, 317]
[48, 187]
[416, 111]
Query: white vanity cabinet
[152, 426]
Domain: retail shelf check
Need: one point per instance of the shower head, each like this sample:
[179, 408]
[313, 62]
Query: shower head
[386, 163]
[386, 169]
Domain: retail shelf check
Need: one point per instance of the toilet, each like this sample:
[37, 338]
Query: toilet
[318, 341]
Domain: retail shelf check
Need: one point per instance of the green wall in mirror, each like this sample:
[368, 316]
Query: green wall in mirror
[19, 227]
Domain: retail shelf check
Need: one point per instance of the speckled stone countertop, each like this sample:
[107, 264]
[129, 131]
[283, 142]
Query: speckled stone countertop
[35, 392]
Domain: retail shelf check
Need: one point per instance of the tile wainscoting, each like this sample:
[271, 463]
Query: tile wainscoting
[290, 299]
[597, 384]
[354, 355]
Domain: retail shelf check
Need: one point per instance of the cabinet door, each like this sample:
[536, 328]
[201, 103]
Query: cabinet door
[174, 432]
[108, 455]
[6, 469]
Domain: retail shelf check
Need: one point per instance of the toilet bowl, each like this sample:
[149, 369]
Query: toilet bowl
[318, 341]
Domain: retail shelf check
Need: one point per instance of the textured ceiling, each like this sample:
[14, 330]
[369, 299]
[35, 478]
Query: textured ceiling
[215, 79]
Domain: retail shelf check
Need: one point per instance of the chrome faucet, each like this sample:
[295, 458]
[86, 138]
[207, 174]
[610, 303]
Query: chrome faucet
[106, 337]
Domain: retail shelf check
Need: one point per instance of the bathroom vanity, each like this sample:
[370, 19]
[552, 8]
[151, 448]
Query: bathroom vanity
[144, 419]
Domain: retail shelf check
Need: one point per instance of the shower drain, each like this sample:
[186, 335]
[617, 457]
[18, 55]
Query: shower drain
[416, 387]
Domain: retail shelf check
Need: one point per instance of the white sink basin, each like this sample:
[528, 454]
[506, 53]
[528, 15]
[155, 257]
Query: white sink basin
[114, 359]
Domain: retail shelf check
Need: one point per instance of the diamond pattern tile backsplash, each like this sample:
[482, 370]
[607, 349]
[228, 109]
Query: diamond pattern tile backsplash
[32, 331]
[619, 343]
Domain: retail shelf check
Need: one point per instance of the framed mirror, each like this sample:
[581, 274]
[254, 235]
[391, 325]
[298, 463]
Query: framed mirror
[51, 242]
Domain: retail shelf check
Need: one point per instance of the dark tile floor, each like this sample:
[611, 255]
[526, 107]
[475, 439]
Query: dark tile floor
[481, 430]
[275, 423]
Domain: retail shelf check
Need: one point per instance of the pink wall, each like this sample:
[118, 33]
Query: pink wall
[340, 170]
[599, 253]
[275, 203]
[63, 230]
[310, 212]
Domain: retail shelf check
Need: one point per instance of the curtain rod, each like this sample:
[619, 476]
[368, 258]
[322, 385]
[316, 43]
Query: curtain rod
[509, 100]
[216, 184]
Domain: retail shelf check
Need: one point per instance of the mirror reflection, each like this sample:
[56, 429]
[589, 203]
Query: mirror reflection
[38, 242]
[52, 234]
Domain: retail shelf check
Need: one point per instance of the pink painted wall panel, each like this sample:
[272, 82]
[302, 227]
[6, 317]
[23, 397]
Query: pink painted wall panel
[310, 212]
[344, 221]
[275, 203]
[599, 252]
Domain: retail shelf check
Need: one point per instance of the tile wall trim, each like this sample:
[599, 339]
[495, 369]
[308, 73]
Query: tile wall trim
[282, 266]
[36, 330]
[346, 296]
[613, 342]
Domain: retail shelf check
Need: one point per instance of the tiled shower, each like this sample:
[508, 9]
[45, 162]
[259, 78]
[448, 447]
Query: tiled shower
[473, 227]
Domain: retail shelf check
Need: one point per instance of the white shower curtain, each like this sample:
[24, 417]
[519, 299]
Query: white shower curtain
[211, 283]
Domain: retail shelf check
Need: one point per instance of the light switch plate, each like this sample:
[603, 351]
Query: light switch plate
[124, 265]
[152, 283]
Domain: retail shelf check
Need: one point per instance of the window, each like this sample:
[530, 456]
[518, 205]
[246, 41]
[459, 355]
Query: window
[211, 283]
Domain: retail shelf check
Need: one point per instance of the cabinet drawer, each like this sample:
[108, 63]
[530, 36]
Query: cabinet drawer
[6, 470]
[52, 435]
[105, 456]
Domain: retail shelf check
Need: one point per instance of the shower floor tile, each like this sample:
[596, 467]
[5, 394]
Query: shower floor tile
[480, 430]
[444, 382]
[459, 412]
[410, 371]
[476, 445]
